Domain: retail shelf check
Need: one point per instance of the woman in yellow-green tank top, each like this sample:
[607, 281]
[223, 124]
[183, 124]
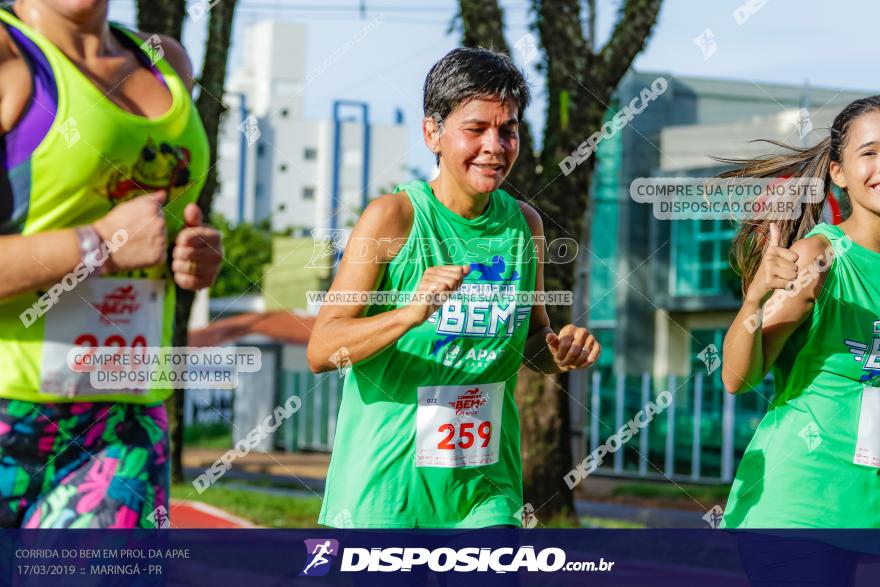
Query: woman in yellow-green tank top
[103, 157]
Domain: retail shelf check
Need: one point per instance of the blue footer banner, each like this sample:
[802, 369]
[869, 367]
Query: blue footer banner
[503, 557]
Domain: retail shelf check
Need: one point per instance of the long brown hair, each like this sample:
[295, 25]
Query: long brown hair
[809, 162]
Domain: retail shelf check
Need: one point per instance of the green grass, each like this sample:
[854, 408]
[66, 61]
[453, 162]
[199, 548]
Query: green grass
[702, 493]
[558, 521]
[271, 511]
[208, 436]
[273, 483]
[592, 522]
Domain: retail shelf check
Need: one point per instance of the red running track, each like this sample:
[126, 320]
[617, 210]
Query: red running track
[193, 514]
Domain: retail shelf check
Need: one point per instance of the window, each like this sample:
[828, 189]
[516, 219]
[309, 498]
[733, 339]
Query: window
[700, 258]
[283, 167]
[310, 153]
[308, 193]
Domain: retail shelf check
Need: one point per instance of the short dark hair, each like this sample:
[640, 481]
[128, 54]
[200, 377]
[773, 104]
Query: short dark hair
[465, 74]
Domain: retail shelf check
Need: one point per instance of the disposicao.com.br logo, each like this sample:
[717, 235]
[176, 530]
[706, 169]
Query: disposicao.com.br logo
[441, 560]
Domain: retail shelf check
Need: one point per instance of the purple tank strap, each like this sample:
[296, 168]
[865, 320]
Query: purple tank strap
[40, 111]
[18, 145]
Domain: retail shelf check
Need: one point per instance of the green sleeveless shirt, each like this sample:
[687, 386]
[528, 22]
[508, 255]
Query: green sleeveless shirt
[815, 458]
[428, 433]
[94, 156]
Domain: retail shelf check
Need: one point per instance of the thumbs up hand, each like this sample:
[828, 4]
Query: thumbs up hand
[198, 252]
[778, 269]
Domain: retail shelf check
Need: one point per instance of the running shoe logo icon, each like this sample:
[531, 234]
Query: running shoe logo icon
[319, 557]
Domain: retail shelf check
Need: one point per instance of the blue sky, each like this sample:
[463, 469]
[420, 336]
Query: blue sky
[831, 44]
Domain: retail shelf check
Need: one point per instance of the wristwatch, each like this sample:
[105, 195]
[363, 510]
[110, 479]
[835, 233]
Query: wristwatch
[90, 248]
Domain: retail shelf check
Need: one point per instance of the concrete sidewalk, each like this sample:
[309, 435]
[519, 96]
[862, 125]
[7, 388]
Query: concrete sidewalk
[279, 464]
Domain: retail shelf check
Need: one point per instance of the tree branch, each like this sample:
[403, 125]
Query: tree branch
[630, 35]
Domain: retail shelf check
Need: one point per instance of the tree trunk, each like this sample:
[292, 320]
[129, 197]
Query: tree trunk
[166, 17]
[483, 27]
[161, 16]
[579, 87]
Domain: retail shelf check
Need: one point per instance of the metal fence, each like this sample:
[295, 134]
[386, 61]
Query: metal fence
[313, 427]
[699, 438]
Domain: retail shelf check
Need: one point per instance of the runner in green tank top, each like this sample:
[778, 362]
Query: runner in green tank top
[428, 431]
[815, 458]
[101, 143]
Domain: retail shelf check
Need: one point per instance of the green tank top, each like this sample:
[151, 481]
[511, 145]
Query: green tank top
[94, 156]
[815, 458]
[428, 431]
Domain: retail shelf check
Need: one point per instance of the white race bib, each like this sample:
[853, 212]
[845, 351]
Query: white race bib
[99, 313]
[868, 441]
[459, 425]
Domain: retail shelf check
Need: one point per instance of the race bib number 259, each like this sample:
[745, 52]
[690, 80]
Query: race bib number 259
[459, 425]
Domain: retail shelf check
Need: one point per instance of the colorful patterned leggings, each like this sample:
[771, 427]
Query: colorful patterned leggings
[83, 465]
